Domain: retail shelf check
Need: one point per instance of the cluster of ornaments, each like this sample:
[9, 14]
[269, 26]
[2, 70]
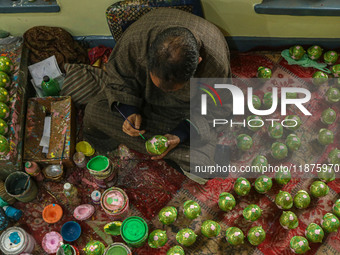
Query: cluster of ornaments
[6, 69]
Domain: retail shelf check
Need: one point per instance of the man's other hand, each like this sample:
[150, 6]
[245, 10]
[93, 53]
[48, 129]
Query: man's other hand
[173, 141]
[136, 120]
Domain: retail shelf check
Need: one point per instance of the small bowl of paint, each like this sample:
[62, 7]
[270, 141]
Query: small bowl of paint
[85, 148]
[70, 231]
[52, 213]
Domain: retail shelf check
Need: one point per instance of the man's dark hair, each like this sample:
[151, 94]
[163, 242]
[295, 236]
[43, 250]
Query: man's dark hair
[173, 56]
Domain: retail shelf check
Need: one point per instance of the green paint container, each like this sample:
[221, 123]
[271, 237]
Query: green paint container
[98, 164]
[134, 231]
[117, 249]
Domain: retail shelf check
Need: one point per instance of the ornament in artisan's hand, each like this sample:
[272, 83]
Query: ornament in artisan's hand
[244, 142]
[234, 236]
[314, 233]
[156, 145]
[284, 200]
[256, 235]
[330, 223]
[5, 81]
[299, 244]
[289, 220]
[263, 184]
[210, 228]
[242, 186]
[226, 201]
[330, 57]
[314, 52]
[176, 250]
[319, 189]
[252, 212]
[6, 65]
[186, 237]
[296, 52]
[293, 142]
[157, 238]
[301, 199]
[168, 215]
[328, 116]
[191, 209]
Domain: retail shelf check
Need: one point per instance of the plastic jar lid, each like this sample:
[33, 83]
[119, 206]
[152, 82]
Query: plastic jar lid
[134, 229]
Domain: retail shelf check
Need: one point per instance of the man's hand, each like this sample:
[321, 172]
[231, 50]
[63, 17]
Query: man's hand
[173, 141]
[136, 120]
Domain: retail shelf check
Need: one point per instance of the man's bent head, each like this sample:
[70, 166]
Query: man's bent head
[173, 58]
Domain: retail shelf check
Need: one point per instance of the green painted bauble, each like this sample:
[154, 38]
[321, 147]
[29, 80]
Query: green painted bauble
[210, 228]
[336, 209]
[283, 176]
[186, 237]
[156, 145]
[5, 81]
[335, 70]
[4, 111]
[284, 200]
[314, 52]
[319, 78]
[157, 238]
[319, 189]
[256, 235]
[334, 156]
[275, 130]
[264, 72]
[176, 250]
[279, 150]
[4, 96]
[3, 127]
[314, 233]
[4, 145]
[226, 201]
[259, 162]
[252, 212]
[256, 102]
[263, 184]
[330, 223]
[327, 175]
[333, 95]
[94, 248]
[293, 122]
[328, 116]
[244, 142]
[325, 136]
[167, 215]
[289, 220]
[6, 65]
[254, 122]
[234, 236]
[301, 199]
[330, 57]
[293, 142]
[299, 244]
[191, 209]
[268, 100]
[296, 52]
[242, 186]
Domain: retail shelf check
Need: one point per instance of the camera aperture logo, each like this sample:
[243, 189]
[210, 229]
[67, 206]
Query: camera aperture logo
[239, 104]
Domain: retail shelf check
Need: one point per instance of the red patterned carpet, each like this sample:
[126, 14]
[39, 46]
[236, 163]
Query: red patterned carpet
[153, 185]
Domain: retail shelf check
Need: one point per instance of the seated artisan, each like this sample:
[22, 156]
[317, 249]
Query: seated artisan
[149, 82]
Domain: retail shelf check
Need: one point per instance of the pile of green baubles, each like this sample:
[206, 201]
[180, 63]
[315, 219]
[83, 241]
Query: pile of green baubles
[6, 69]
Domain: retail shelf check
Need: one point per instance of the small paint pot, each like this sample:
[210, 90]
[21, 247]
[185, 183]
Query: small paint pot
[15, 241]
[12, 213]
[95, 196]
[52, 213]
[117, 248]
[70, 231]
[134, 231]
[21, 186]
[85, 148]
[75, 251]
[51, 242]
[115, 203]
[79, 159]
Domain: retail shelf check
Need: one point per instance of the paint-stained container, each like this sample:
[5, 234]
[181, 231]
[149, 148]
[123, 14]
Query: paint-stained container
[103, 171]
[3, 219]
[115, 203]
[95, 196]
[21, 186]
[134, 231]
[15, 241]
[79, 159]
[117, 249]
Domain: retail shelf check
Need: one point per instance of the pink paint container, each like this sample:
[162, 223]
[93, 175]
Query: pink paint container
[115, 203]
[15, 241]
[79, 159]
